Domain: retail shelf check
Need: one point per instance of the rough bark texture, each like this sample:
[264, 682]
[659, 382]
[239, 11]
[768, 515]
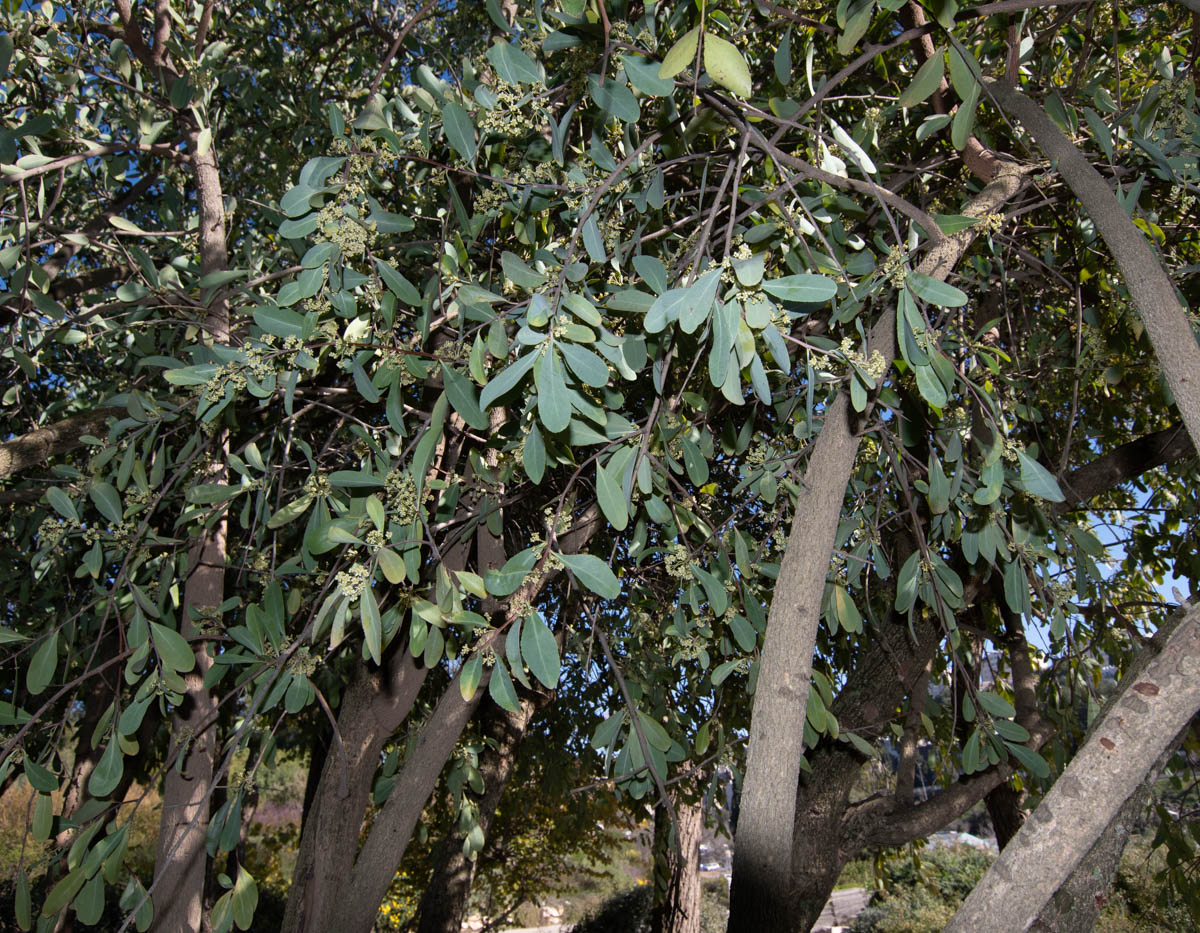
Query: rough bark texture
[1076, 906]
[677, 866]
[444, 903]
[179, 863]
[1149, 286]
[762, 866]
[52, 441]
[1152, 706]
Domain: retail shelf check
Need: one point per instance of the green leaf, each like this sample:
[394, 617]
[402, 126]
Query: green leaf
[506, 380]
[1034, 763]
[726, 66]
[392, 565]
[930, 386]
[804, 288]
[399, 286]
[173, 650]
[1012, 731]
[501, 689]
[461, 393]
[108, 501]
[108, 770]
[62, 503]
[656, 735]
[848, 614]
[607, 731]
[372, 626]
[539, 649]
[615, 98]
[245, 899]
[681, 54]
[1037, 480]
[460, 131]
[935, 292]
[534, 455]
[962, 74]
[964, 119]
[585, 364]
[64, 892]
[643, 75]
[469, 677]
[355, 479]
[906, 583]
[290, 512]
[743, 633]
[951, 224]
[995, 705]
[42, 779]
[611, 498]
[553, 403]
[925, 81]
[593, 573]
[698, 301]
[513, 65]
[42, 665]
[506, 580]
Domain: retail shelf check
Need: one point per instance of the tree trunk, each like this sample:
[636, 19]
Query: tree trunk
[444, 903]
[1156, 700]
[677, 865]
[1153, 294]
[373, 707]
[762, 859]
[1077, 904]
[1004, 806]
[358, 901]
[180, 859]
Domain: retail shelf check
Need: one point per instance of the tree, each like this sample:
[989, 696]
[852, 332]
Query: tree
[373, 361]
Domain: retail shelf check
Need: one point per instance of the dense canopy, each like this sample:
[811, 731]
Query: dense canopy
[581, 394]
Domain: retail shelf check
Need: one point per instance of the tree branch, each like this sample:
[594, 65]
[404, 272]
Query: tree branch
[1152, 291]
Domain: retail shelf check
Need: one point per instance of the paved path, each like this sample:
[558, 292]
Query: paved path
[840, 911]
[842, 908]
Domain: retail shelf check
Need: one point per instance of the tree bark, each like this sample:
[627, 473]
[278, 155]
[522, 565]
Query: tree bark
[1150, 287]
[762, 861]
[53, 440]
[677, 865]
[373, 707]
[375, 866]
[1076, 906]
[444, 903]
[1156, 700]
[180, 859]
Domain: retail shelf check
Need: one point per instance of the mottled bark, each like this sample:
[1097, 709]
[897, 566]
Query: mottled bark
[1076, 906]
[53, 440]
[373, 707]
[1156, 700]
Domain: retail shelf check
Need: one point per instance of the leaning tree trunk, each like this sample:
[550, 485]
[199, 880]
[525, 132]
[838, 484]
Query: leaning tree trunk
[762, 859]
[1077, 904]
[1157, 699]
[677, 864]
[444, 903]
